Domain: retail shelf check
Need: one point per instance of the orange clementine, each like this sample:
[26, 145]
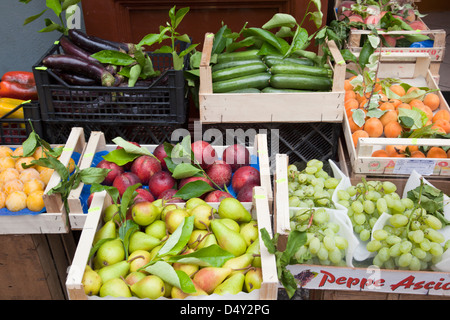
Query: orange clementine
[432, 101]
[413, 148]
[389, 116]
[444, 124]
[373, 127]
[397, 89]
[411, 89]
[393, 129]
[395, 150]
[387, 106]
[395, 102]
[359, 134]
[347, 85]
[380, 153]
[403, 106]
[436, 152]
[417, 154]
[349, 94]
[416, 103]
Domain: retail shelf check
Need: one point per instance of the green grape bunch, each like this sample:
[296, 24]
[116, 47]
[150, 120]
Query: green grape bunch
[311, 187]
[411, 240]
[324, 245]
[367, 201]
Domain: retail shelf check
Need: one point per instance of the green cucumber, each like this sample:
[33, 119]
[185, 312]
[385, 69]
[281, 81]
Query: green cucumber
[238, 55]
[272, 60]
[229, 64]
[300, 69]
[275, 90]
[300, 82]
[258, 81]
[239, 71]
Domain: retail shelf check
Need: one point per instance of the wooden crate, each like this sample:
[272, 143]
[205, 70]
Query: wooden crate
[54, 219]
[360, 157]
[270, 107]
[97, 143]
[355, 283]
[259, 209]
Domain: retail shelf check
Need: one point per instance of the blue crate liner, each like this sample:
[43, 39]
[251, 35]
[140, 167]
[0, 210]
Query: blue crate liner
[6, 212]
[86, 191]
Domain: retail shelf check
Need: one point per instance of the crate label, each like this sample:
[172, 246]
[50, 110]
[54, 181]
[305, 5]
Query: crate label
[371, 279]
[406, 166]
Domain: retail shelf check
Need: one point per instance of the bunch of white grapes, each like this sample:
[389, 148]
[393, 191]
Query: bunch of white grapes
[311, 187]
[324, 245]
[366, 202]
[411, 241]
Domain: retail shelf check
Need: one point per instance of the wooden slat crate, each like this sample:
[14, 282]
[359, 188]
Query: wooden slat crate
[356, 283]
[54, 219]
[97, 143]
[270, 107]
[360, 157]
[259, 209]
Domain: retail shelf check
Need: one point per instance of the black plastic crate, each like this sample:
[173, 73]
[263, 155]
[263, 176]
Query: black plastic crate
[162, 101]
[300, 141]
[58, 132]
[16, 131]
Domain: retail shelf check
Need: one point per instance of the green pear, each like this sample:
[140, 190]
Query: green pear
[174, 218]
[208, 278]
[138, 259]
[134, 277]
[232, 285]
[166, 209]
[228, 239]
[111, 212]
[117, 270]
[115, 288]
[243, 261]
[156, 229]
[91, 281]
[177, 293]
[155, 251]
[189, 268]
[233, 209]
[203, 214]
[209, 240]
[141, 241]
[110, 252]
[150, 286]
[255, 250]
[249, 231]
[196, 239]
[144, 213]
[193, 202]
[108, 231]
[167, 289]
[253, 279]
[230, 223]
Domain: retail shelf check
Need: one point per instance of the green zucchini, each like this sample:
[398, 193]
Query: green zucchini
[258, 81]
[246, 90]
[239, 71]
[272, 60]
[238, 55]
[300, 69]
[300, 82]
[229, 64]
[275, 90]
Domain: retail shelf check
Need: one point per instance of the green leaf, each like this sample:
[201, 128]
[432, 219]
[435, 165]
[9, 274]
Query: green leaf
[30, 144]
[179, 238]
[135, 72]
[50, 26]
[193, 189]
[179, 15]
[264, 35]
[417, 115]
[168, 274]
[177, 61]
[296, 239]
[268, 242]
[126, 229]
[280, 20]
[32, 18]
[185, 170]
[68, 3]
[188, 50]
[112, 191]
[127, 198]
[184, 38]
[55, 5]
[114, 57]
[93, 175]
[359, 117]
[149, 39]
[210, 256]
[220, 41]
[131, 148]
[317, 18]
[120, 156]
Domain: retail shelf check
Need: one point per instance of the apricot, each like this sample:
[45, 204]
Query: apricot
[45, 175]
[379, 153]
[394, 150]
[349, 94]
[5, 151]
[7, 162]
[28, 174]
[393, 129]
[389, 116]
[353, 126]
[436, 152]
[35, 201]
[33, 185]
[359, 134]
[417, 154]
[16, 201]
[387, 106]
[9, 174]
[24, 160]
[11, 186]
[373, 127]
[403, 106]
[432, 101]
[2, 199]
[397, 89]
[18, 152]
[441, 114]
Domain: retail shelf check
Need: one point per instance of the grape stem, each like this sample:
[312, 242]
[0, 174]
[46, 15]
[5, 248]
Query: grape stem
[416, 206]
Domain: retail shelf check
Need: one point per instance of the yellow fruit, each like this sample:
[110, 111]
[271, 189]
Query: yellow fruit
[24, 160]
[7, 162]
[5, 151]
[12, 185]
[33, 185]
[9, 174]
[29, 174]
[35, 201]
[18, 152]
[16, 201]
[2, 199]
[45, 175]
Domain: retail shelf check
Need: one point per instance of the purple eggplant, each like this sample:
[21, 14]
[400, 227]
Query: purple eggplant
[94, 44]
[75, 79]
[72, 49]
[74, 65]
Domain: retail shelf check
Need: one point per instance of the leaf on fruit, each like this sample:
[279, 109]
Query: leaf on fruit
[193, 189]
[359, 117]
[179, 238]
[210, 256]
[131, 148]
[120, 157]
[185, 170]
[168, 274]
[93, 175]
[112, 191]
[126, 229]
[127, 198]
